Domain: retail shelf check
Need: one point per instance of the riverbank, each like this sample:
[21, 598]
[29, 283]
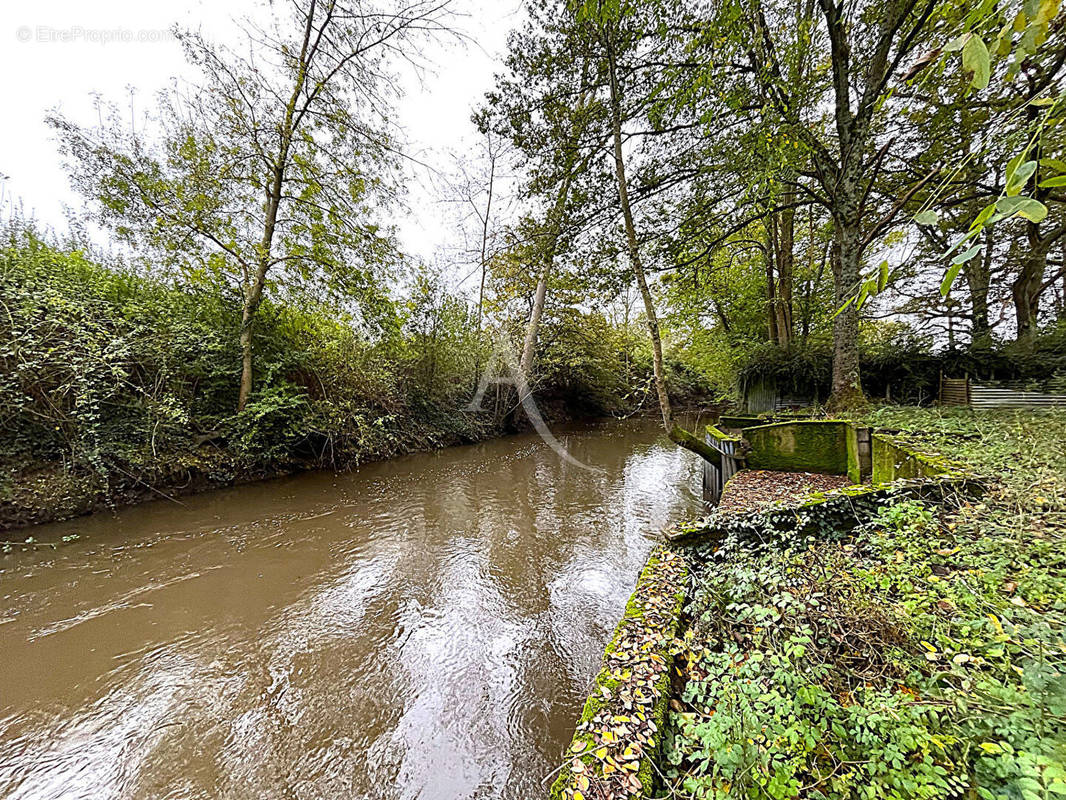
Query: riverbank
[919, 654]
[41, 493]
[922, 655]
[119, 385]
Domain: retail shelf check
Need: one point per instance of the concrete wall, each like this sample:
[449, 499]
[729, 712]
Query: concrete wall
[891, 462]
[806, 446]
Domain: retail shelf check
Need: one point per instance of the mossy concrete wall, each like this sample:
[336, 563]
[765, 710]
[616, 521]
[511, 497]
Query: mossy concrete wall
[652, 618]
[721, 436]
[823, 514]
[803, 446]
[858, 462]
[892, 462]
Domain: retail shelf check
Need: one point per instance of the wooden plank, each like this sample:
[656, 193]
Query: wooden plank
[954, 391]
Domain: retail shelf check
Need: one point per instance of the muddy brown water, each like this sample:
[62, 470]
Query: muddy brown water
[420, 628]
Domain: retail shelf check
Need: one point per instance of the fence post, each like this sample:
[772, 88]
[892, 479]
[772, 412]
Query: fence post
[865, 452]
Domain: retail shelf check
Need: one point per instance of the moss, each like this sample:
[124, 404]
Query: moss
[822, 514]
[803, 446]
[650, 580]
[893, 461]
[714, 433]
[851, 438]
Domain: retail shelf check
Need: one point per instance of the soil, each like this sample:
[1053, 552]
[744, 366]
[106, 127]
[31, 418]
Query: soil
[753, 489]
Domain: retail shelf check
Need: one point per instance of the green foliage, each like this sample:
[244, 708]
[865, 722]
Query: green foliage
[904, 368]
[923, 656]
[111, 378]
[107, 372]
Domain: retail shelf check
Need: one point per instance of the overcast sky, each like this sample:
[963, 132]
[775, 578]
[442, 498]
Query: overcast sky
[58, 53]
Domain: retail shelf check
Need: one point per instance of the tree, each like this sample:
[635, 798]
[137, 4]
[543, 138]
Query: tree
[476, 188]
[540, 105]
[268, 168]
[761, 62]
[608, 34]
[977, 137]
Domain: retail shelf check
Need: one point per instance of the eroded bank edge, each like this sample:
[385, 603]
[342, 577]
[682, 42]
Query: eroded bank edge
[620, 730]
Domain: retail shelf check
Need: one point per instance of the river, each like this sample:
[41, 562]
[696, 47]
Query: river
[419, 628]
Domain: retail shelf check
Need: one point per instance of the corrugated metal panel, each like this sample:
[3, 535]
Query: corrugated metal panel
[760, 397]
[714, 479]
[788, 403]
[996, 397]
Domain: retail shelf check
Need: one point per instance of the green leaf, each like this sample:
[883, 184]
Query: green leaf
[957, 43]
[983, 217]
[966, 255]
[1019, 177]
[975, 60]
[1004, 40]
[1052, 183]
[1049, 9]
[928, 217]
[1012, 165]
[843, 308]
[1053, 163]
[882, 276]
[962, 240]
[1032, 210]
[949, 279]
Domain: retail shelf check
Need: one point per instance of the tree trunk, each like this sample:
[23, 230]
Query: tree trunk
[978, 278]
[633, 245]
[785, 240]
[692, 442]
[1026, 291]
[769, 257]
[246, 360]
[484, 264]
[846, 389]
[556, 228]
[526, 363]
[253, 292]
[253, 296]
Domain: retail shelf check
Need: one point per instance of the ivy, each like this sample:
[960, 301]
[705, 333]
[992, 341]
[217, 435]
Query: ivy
[921, 654]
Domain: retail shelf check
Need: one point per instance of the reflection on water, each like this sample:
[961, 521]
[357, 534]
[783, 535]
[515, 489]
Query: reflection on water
[421, 628]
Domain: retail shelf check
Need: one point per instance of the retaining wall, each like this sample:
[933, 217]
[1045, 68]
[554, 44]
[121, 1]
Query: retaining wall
[892, 462]
[804, 446]
[630, 693]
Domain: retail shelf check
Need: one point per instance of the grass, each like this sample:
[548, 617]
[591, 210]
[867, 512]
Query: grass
[921, 656]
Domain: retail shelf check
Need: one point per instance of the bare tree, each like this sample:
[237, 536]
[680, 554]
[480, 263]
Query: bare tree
[477, 186]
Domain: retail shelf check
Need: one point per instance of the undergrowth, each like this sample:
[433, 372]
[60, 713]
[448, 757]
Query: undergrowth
[921, 656]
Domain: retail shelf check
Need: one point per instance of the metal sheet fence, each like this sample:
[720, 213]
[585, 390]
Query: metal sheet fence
[714, 479]
[1003, 394]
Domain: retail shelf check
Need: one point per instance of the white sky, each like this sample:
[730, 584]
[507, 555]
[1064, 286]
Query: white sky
[43, 71]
